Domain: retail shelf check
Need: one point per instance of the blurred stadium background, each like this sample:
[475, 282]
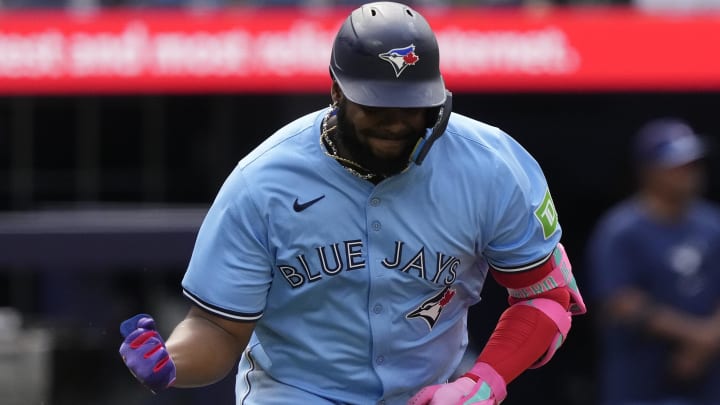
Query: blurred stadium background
[119, 120]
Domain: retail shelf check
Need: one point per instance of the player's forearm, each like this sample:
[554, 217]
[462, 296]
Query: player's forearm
[203, 352]
[521, 337]
[539, 318]
[635, 308]
[519, 340]
[669, 323]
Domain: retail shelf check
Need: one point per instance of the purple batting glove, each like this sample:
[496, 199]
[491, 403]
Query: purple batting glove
[144, 353]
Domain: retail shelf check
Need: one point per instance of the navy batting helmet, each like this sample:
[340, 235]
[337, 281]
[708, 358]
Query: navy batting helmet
[386, 55]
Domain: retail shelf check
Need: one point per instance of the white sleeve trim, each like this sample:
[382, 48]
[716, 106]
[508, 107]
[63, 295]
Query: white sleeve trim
[238, 316]
[523, 268]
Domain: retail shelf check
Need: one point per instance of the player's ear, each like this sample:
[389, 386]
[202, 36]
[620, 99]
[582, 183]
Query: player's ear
[335, 93]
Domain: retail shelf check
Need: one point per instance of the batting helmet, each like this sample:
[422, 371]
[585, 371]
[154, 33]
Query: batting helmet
[386, 55]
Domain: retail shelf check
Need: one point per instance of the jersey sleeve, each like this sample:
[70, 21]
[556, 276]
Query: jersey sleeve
[229, 273]
[524, 227]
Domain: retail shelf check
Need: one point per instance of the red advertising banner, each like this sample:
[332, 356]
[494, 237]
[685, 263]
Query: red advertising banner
[261, 50]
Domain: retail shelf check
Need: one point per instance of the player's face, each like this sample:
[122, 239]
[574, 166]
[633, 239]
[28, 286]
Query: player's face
[380, 139]
[678, 183]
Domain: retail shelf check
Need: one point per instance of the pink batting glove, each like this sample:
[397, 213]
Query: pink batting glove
[488, 390]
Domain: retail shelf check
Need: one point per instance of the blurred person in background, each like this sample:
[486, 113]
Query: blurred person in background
[655, 269]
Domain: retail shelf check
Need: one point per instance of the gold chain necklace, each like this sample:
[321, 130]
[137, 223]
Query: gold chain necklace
[331, 150]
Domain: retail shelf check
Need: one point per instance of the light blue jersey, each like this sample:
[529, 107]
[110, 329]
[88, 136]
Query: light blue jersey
[360, 291]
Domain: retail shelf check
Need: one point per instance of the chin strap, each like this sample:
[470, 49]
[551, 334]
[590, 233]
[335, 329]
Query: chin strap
[424, 144]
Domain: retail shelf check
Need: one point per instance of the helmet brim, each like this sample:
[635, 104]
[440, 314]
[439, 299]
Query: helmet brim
[388, 94]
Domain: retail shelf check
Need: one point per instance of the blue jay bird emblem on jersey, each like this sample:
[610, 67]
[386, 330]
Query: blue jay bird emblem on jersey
[400, 58]
[430, 310]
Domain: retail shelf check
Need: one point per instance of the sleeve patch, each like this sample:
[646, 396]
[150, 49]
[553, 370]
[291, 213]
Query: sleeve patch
[547, 215]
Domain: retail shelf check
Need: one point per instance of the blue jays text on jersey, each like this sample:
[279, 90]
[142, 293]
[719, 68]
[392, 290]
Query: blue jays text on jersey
[350, 257]
[360, 291]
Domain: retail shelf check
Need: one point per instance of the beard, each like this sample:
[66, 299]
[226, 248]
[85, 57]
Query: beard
[356, 145]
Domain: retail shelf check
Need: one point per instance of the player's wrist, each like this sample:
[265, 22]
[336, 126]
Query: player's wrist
[484, 373]
[471, 376]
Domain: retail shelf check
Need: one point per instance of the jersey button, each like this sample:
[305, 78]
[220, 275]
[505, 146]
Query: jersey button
[375, 202]
[376, 226]
[377, 308]
[380, 360]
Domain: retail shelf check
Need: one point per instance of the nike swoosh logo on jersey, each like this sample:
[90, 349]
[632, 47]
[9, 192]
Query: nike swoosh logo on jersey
[302, 207]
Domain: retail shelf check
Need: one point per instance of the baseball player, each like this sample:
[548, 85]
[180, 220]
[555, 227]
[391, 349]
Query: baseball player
[340, 257]
[653, 262]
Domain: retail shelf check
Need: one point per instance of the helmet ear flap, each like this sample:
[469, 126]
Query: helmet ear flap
[431, 117]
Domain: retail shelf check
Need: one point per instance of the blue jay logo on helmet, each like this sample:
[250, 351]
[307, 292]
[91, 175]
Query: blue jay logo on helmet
[400, 58]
